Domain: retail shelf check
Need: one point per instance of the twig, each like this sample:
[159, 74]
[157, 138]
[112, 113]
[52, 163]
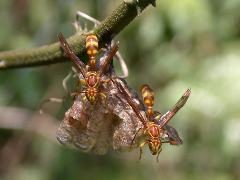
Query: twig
[52, 53]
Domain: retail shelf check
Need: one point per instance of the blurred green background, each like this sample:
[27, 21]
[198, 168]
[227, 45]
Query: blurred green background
[178, 44]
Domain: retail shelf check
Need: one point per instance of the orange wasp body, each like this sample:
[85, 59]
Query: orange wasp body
[155, 127]
[92, 77]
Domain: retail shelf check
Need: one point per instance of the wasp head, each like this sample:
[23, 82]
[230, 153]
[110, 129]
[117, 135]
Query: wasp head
[154, 146]
[91, 94]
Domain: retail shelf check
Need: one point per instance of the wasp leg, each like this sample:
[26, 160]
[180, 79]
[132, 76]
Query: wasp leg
[55, 100]
[74, 71]
[160, 150]
[140, 148]
[77, 24]
[106, 81]
[58, 100]
[84, 98]
[65, 80]
[72, 74]
[120, 59]
[85, 16]
[103, 95]
[75, 94]
[135, 135]
[123, 65]
[83, 82]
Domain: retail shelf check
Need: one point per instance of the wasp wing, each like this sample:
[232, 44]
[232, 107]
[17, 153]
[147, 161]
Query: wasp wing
[66, 48]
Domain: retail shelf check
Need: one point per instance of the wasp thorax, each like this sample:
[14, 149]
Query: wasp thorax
[153, 130]
[92, 80]
[91, 92]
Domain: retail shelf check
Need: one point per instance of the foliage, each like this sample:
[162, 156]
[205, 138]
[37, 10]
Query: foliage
[178, 44]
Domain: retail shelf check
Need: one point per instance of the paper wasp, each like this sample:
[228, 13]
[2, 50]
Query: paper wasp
[91, 77]
[81, 30]
[155, 128]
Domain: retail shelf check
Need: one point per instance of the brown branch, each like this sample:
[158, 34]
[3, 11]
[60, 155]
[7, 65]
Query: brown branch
[48, 54]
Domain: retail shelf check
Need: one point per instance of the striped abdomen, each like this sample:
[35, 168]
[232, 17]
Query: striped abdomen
[92, 49]
[148, 98]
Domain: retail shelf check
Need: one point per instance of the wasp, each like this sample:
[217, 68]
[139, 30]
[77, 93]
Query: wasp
[80, 29]
[91, 76]
[155, 129]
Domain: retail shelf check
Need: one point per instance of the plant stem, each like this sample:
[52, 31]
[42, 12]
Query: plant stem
[48, 54]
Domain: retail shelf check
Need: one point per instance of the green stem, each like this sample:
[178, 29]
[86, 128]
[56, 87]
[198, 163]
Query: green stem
[52, 53]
